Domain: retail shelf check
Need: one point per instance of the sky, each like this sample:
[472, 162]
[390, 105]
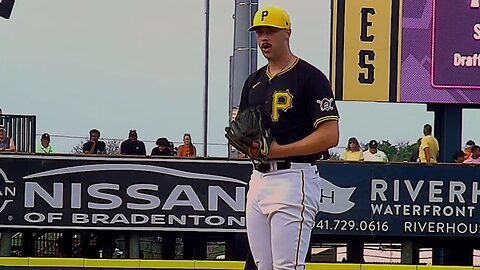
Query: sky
[117, 65]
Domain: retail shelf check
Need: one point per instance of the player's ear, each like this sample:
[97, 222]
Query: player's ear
[287, 33]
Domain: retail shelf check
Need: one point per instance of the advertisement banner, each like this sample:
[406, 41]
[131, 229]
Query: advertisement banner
[402, 200]
[398, 199]
[406, 51]
[122, 193]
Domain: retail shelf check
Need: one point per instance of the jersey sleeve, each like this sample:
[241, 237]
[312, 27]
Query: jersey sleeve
[320, 102]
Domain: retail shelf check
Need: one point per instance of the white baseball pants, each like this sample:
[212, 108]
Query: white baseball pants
[280, 213]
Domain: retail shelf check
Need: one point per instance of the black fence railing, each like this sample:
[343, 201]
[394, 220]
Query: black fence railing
[21, 128]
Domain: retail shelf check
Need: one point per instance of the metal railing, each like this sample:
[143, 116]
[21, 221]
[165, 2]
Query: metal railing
[21, 128]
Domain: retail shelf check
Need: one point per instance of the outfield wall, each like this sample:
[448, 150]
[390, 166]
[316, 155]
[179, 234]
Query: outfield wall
[71, 264]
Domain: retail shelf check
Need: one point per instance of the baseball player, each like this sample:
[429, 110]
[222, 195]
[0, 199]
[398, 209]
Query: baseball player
[299, 111]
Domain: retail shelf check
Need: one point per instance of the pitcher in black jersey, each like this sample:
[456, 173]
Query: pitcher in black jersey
[299, 110]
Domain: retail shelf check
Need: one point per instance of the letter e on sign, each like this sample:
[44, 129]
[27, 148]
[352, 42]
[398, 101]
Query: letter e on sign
[365, 50]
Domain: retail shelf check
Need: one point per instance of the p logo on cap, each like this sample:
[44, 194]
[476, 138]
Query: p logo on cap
[271, 16]
[264, 14]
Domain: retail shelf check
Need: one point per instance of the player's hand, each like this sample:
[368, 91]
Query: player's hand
[254, 148]
[273, 151]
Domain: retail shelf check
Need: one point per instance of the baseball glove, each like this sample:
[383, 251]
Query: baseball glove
[247, 129]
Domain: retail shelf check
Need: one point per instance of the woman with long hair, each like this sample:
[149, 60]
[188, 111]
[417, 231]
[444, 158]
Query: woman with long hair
[187, 149]
[352, 151]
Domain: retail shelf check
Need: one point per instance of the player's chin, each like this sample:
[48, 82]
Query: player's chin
[268, 57]
[267, 54]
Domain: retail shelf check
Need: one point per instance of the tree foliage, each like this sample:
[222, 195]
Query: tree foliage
[398, 152]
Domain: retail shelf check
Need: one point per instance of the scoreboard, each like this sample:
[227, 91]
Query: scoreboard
[365, 46]
[412, 51]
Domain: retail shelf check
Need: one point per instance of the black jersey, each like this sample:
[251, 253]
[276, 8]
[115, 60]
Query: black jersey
[293, 102]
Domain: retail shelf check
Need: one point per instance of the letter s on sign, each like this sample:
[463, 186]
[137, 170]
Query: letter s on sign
[476, 31]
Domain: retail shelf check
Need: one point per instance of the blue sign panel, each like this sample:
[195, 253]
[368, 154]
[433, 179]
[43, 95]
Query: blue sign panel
[400, 200]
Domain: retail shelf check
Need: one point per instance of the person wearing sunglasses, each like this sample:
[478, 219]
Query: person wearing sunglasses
[352, 151]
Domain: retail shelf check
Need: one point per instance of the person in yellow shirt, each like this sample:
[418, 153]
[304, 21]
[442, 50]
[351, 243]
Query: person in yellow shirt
[429, 148]
[353, 151]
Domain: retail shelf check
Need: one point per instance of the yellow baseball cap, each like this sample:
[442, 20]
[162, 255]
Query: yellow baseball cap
[271, 16]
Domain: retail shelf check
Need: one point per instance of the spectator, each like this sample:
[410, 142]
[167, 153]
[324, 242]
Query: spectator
[474, 158]
[162, 148]
[94, 145]
[6, 143]
[467, 150]
[133, 146]
[373, 154]
[44, 147]
[172, 148]
[187, 149]
[429, 149]
[414, 156]
[352, 152]
[459, 156]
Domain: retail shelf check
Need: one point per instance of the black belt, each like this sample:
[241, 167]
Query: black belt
[281, 165]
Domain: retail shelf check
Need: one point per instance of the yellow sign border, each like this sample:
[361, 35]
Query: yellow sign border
[337, 50]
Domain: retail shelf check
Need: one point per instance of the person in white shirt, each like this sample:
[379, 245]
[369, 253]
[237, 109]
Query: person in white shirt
[373, 154]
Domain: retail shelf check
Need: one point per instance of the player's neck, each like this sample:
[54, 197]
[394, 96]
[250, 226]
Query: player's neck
[280, 64]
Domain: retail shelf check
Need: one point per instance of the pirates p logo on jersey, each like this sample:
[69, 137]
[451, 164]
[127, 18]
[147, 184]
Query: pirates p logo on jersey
[281, 100]
[326, 104]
